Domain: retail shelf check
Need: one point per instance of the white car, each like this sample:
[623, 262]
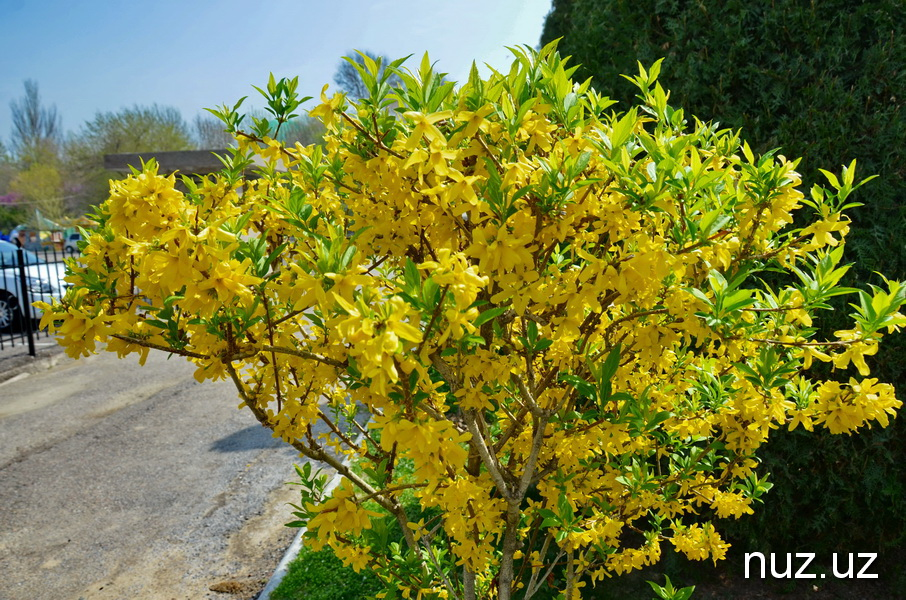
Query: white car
[72, 243]
[43, 280]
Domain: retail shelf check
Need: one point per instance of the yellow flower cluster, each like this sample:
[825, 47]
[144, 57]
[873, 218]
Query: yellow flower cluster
[845, 408]
[699, 542]
[341, 514]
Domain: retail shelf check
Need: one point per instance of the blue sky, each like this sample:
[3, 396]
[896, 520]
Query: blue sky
[89, 55]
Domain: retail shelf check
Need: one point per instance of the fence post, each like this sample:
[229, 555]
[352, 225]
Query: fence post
[24, 305]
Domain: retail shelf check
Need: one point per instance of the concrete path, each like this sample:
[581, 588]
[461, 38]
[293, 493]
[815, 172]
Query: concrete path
[118, 481]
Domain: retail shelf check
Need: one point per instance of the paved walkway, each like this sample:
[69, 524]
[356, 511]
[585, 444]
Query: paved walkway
[120, 481]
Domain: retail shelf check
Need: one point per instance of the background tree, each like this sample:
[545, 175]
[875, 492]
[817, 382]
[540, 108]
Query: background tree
[32, 177]
[209, 133]
[40, 188]
[349, 80]
[824, 81]
[11, 211]
[135, 129]
[37, 129]
[7, 169]
[302, 129]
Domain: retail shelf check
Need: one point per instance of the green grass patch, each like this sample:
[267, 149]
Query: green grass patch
[322, 576]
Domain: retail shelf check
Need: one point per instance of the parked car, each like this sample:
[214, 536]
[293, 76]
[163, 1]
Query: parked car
[71, 245]
[43, 280]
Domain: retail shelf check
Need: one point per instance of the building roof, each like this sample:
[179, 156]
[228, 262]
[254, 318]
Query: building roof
[197, 162]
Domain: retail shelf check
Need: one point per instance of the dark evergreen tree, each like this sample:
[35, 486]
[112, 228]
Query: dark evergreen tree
[825, 80]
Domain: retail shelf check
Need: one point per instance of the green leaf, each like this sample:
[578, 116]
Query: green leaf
[565, 509]
[611, 364]
[472, 339]
[701, 296]
[543, 344]
[737, 300]
[659, 418]
[491, 313]
[551, 519]
[582, 162]
[531, 331]
[584, 388]
[749, 373]
[411, 277]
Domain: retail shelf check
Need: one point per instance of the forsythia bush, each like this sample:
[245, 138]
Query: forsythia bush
[569, 329]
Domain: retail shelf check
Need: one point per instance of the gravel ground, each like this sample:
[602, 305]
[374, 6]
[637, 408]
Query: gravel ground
[124, 482]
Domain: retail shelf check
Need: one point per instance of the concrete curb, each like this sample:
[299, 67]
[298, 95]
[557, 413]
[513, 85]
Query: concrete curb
[295, 547]
[19, 364]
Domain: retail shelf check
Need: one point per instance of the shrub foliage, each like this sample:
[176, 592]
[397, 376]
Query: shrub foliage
[556, 317]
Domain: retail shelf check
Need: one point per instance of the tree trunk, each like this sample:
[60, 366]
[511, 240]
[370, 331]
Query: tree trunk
[510, 545]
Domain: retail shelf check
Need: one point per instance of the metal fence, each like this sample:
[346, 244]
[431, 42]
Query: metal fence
[27, 276]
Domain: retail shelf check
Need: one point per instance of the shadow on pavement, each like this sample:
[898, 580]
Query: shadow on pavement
[255, 437]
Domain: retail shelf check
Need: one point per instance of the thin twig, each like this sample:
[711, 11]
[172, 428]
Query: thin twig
[303, 354]
[153, 346]
[488, 150]
[434, 315]
[370, 137]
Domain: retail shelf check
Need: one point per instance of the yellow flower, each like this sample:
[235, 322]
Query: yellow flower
[326, 111]
[424, 126]
[227, 281]
[730, 504]
[854, 352]
[699, 542]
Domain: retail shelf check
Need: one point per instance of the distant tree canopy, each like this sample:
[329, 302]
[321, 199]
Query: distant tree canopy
[209, 133]
[347, 76]
[135, 129]
[824, 81]
[40, 187]
[303, 130]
